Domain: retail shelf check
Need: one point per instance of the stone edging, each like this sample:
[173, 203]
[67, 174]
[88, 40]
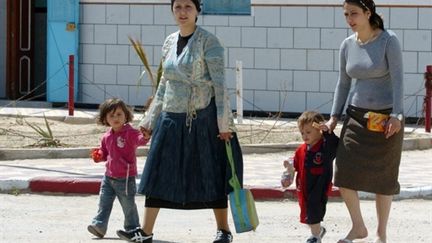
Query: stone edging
[53, 153]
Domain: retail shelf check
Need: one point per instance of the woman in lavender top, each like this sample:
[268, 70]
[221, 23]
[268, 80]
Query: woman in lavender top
[189, 120]
[368, 156]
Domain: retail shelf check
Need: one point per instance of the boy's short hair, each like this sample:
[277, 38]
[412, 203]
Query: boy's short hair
[309, 117]
[111, 105]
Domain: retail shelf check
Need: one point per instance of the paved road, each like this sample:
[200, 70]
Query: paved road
[57, 218]
[261, 170]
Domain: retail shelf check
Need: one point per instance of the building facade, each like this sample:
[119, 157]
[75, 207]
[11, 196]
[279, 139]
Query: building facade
[289, 50]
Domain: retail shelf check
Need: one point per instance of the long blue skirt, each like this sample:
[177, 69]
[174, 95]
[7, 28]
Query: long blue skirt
[188, 169]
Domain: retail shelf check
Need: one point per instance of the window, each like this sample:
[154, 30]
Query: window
[227, 7]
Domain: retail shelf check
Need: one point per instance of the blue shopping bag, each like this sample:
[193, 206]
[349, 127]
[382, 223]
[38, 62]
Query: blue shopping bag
[241, 201]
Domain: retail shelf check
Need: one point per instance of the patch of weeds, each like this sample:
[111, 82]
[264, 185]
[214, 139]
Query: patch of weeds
[46, 138]
[15, 191]
[19, 119]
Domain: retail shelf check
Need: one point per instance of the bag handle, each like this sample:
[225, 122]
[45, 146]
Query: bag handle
[234, 182]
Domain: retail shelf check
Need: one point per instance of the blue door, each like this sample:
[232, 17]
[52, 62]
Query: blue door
[62, 41]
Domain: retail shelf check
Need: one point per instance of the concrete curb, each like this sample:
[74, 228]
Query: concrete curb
[65, 185]
[405, 193]
[54, 153]
[417, 143]
[83, 152]
[92, 186]
[44, 153]
[11, 185]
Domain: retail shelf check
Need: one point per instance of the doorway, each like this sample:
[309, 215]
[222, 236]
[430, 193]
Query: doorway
[26, 49]
[3, 49]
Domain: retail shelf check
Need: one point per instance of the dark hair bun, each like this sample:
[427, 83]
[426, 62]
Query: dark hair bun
[197, 4]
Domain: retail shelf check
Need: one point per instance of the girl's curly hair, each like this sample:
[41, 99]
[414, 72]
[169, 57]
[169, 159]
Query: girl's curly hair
[111, 105]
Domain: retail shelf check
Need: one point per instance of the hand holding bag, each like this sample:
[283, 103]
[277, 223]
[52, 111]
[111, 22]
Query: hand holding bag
[242, 203]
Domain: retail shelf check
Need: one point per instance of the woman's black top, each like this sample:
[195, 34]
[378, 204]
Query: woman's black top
[182, 42]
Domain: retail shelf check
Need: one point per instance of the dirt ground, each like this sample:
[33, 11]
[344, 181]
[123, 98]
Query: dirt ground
[25, 132]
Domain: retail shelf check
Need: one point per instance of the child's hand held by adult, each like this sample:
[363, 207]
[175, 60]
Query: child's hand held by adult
[321, 126]
[146, 132]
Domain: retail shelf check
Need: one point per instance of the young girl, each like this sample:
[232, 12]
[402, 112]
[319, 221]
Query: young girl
[118, 149]
[313, 163]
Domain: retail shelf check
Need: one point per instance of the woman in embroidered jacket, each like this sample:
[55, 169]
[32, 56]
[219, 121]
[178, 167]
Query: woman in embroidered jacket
[189, 120]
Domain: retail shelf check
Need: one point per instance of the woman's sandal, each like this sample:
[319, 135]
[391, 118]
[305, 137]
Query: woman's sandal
[345, 240]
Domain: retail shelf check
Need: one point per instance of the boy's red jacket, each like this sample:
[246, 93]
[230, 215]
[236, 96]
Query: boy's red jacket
[314, 167]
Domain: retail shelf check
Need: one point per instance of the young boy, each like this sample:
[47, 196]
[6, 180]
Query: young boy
[313, 164]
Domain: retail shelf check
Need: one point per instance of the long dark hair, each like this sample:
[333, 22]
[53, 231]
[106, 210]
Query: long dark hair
[375, 19]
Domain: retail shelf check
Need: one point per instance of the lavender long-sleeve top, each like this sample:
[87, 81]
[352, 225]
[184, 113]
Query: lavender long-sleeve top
[377, 69]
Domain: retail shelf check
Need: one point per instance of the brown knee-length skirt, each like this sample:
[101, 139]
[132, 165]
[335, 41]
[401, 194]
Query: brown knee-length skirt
[366, 160]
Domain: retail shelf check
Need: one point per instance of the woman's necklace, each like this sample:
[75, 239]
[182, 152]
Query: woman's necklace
[371, 38]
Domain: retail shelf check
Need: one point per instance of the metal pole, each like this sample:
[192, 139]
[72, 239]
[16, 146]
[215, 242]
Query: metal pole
[71, 85]
[428, 86]
[239, 92]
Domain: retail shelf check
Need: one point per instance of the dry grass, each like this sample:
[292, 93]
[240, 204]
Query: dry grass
[15, 133]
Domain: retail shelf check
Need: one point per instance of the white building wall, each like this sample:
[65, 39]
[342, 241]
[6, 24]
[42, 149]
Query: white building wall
[289, 50]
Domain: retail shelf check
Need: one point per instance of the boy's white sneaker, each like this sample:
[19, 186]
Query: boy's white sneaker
[317, 239]
[313, 239]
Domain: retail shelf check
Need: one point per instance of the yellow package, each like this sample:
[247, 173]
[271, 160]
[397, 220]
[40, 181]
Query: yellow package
[376, 121]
